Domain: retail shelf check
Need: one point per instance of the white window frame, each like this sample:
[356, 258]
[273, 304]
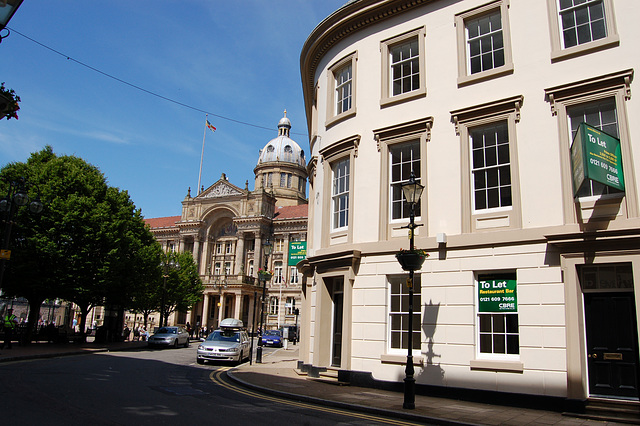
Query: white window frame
[616, 85]
[608, 192]
[342, 150]
[413, 164]
[464, 67]
[294, 278]
[289, 305]
[473, 117]
[491, 355]
[274, 305]
[277, 273]
[340, 193]
[558, 52]
[334, 85]
[484, 169]
[386, 47]
[399, 281]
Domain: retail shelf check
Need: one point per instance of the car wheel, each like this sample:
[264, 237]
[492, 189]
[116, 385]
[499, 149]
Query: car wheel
[175, 344]
[186, 343]
[241, 358]
[200, 361]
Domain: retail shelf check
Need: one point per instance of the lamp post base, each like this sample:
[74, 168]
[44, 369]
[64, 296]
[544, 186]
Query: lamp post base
[409, 386]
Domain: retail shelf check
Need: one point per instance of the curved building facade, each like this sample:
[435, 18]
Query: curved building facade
[534, 261]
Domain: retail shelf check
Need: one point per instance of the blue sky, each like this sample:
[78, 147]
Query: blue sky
[235, 59]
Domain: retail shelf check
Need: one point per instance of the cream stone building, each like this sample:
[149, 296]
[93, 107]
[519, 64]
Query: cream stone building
[530, 288]
[226, 227]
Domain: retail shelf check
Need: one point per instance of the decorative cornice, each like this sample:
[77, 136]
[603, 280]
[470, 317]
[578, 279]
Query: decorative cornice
[489, 109]
[617, 80]
[352, 17]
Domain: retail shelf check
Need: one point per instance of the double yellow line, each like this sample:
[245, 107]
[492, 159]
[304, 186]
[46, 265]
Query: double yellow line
[217, 378]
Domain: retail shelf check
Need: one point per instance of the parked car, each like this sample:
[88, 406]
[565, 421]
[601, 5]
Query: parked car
[228, 343]
[272, 338]
[170, 337]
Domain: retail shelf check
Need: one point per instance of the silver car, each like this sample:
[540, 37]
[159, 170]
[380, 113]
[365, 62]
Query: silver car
[225, 344]
[170, 337]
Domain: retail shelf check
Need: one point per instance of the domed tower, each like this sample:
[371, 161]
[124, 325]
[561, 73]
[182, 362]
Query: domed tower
[282, 168]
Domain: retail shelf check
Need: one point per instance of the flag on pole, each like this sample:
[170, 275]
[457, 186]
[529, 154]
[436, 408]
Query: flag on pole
[210, 126]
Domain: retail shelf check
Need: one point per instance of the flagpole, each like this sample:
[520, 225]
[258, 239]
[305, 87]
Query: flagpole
[202, 154]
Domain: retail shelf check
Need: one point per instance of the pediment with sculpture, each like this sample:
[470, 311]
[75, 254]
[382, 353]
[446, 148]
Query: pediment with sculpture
[221, 189]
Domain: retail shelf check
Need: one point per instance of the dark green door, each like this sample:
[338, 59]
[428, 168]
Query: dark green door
[612, 344]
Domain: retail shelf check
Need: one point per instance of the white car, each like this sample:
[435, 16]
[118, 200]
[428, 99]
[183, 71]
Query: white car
[170, 337]
[229, 343]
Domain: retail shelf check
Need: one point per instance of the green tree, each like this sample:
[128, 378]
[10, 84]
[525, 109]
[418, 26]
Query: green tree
[85, 247]
[146, 295]
[184, 287]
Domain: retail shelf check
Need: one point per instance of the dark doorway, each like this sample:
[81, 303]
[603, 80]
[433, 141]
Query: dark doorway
[337, 295]
[612, 344]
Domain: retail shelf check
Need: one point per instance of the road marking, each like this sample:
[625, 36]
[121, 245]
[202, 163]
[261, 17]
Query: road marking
[216, 377]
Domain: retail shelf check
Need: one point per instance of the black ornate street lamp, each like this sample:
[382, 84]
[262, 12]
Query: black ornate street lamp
[263, 276]
[412, 191]
[7, 9]
[16, 197]
[167, 266]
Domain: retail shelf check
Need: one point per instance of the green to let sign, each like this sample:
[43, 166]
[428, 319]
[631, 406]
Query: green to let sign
[596, 155]
[497, 295]
[297, 252]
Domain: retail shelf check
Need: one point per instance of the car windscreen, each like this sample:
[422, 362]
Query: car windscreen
[224, 336]
[272, 333]
[165, 330]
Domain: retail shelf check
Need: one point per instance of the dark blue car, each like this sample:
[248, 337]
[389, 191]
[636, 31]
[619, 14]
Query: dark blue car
[272, 338]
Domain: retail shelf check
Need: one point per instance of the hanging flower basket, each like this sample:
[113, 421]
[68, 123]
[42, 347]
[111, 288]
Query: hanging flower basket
[8, 103]
[411, 260]
[264, 275]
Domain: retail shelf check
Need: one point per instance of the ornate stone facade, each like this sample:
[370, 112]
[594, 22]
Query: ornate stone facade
[226, 227]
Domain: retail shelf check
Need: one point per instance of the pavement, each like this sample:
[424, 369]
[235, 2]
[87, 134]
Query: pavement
[278, 375]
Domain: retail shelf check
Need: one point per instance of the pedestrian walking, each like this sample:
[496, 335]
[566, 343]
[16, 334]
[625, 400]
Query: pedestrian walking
[10, 324]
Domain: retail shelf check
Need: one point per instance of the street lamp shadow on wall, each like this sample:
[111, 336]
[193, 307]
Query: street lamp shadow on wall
[411, 260]
[17, 196]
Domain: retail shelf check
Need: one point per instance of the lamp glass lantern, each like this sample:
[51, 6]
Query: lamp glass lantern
[7, 9]
[412, 190]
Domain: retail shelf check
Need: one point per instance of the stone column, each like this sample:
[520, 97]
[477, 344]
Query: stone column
[238, 306]
[205, 258]
[258, 260]
[240, 256]
[221, 307]
[196, 253]
[205, 311]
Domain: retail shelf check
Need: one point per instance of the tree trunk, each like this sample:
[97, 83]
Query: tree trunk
[82, 324]
[34, 315]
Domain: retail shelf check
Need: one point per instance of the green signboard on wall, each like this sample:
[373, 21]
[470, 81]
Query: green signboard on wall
[596, 155]
[297, 252]
[497, 294]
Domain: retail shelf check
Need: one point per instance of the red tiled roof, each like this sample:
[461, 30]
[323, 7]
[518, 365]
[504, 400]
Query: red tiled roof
[292, 212]
[162, 222]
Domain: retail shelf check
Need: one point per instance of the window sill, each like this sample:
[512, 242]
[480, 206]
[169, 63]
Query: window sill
[340, 117]
[485, 75]
[400, 359]
[583, 49]
[495, 365]
[388, 101]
